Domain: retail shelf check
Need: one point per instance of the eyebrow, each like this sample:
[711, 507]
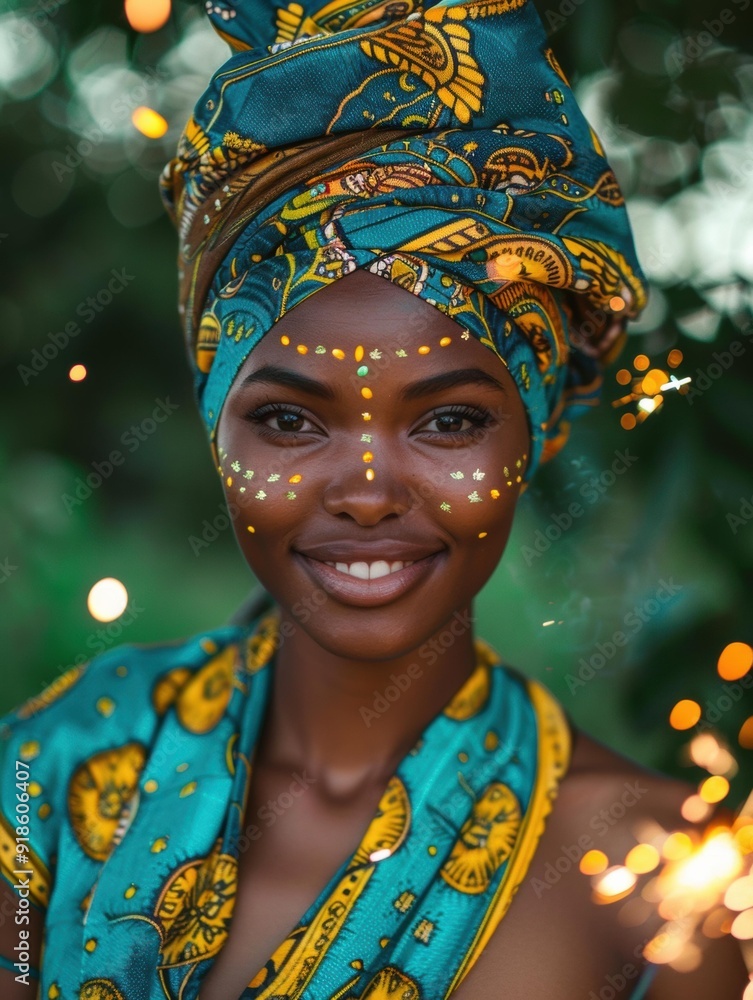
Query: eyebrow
[450, 380]
[275, 375]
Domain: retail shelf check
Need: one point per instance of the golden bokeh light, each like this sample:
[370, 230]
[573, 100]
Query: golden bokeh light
[594, 863]
[653, 381]
[641, 363]
[107, 599]
[77, 373]
[694, 809]
[735, 661]
[745, 736]
[642, 858]
[628, 421]
[617, 303]
[714, 789]
[149, 122]
[742, 926]
[739, 896]
[616, 883]
[677, 846]
[624, 377]
[674, 358]
[147, 15]
[685, 714]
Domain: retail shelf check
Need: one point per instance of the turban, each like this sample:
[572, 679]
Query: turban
[437, 145]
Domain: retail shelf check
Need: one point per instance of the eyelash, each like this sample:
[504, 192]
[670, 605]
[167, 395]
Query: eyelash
[477, 417]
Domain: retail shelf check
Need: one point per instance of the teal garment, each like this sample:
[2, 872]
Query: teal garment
[140, 764]
[437, 145]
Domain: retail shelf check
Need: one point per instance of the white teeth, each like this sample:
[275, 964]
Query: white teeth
[380, 568]
[370, 571]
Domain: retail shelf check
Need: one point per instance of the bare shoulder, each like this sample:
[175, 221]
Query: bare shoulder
[555, 937]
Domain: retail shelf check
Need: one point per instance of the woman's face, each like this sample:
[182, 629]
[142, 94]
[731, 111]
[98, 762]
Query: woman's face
[372, 457]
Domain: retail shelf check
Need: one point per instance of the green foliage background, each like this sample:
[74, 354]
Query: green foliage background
[669, 87]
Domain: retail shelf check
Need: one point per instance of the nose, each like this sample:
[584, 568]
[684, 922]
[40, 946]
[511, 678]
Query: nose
[349, 494]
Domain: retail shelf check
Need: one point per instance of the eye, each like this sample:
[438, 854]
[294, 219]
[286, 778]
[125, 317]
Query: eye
[282, 419]
[456, 421]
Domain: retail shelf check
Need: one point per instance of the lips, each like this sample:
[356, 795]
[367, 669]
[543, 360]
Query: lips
[368, 581]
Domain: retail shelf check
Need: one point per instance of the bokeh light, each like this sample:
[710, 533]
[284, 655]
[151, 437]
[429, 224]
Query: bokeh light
[714, 789]
[147, 15]
[628, 421]
[735, 661]
[685, 714]
[77, 373]
[745, 736]
[107, 599]
[641, 363]
[149, 122]
[594, 862]
[674, 358]
[642, 858]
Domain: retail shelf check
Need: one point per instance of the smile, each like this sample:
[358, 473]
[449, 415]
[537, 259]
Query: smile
[369, 583]
[369, 571]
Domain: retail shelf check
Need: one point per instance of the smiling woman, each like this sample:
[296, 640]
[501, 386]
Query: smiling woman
[396, 292]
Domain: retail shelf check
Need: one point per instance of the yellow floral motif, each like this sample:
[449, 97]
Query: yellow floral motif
[339, 15]
[194, 908]
[234, 141]
[98, 791]
[100, 989]
[472, 696]
[391, 984]
[535, 311]
[437, 49]
[609, 272]
[202, 701]
[262, 644]
[485, 842]
[389, 827]
[51, 693]
[166, 689]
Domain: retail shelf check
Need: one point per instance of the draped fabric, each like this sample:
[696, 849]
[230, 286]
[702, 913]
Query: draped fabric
[136, 773]
[437, 145]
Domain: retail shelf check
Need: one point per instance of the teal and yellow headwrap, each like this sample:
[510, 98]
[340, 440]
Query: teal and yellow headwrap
[436, 144]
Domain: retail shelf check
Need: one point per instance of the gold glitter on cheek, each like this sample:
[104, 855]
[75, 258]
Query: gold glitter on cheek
[424, 350]
[366, 392]
[367, 456]
[359, 353]
[494, 494]
[337, 353]
[296, 478]
[483, 534]
[445, 341]
[250, 528]
[302, 349]
[284, 340]
[366, 416]
[370, 474]
[229, 480]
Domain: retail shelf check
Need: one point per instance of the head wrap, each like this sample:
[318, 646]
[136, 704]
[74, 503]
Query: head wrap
[438, 145]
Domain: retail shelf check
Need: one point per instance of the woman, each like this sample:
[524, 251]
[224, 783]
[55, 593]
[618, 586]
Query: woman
[347, 795]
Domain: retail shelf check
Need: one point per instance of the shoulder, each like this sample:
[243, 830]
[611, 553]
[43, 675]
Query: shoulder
[605, 802]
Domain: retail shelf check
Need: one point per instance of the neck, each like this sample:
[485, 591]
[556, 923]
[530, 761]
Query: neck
[350, 722]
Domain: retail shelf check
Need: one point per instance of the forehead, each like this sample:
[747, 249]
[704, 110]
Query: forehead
[363, 310]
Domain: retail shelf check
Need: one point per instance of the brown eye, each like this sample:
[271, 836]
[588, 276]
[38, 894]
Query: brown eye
[286, 421]
[448, 422]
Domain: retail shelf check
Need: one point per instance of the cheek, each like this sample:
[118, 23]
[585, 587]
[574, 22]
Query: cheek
[266, 496]
[475, 495]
